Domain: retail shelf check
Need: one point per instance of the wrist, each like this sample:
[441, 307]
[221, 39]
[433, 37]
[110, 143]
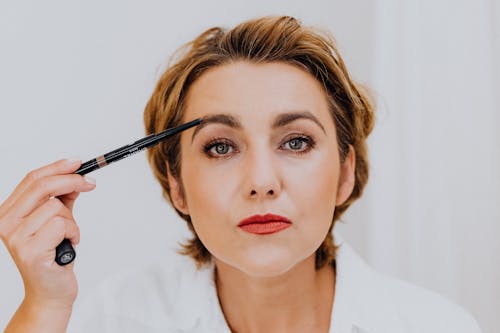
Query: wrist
[35, 316]
[47, 306]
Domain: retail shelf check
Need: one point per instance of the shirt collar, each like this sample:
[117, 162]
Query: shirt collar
[351, 308]
[352, 290]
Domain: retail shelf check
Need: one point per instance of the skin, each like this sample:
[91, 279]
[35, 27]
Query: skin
[265, 283]
[34, 219]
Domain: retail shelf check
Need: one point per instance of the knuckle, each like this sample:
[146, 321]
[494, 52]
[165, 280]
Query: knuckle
[71, 226]
[68, 228]
[5, 235]
[65, 226]
[12, 243]
[3, 209]
[55, 205]
[58, 222]
[42, 185]
[32, 176]
[14, 238]
[2, 232]
[76, 228]
[69, 223]
[7, 227]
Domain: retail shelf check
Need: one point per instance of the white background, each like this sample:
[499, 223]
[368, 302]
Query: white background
[75, 77]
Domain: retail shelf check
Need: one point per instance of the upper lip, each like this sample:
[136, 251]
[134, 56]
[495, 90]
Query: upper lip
[263, 219]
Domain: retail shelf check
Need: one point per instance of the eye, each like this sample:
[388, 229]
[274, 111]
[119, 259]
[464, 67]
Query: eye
[218, 147]
[221, 147]
[300, 144]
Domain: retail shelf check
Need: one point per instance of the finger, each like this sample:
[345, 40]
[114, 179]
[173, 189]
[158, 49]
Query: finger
[54, 231]
[63, 166]
[28, 226]
[69, 199]
[47, 187]
[50, 209]
[43, 244]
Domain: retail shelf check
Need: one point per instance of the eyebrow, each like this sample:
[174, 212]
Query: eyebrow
[281, 120]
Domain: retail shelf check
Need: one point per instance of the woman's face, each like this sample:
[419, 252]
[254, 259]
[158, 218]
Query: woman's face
[267, 146]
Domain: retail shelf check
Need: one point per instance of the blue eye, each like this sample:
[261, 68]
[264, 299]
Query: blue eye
[297, 143]
[222, 147]
[300, 144]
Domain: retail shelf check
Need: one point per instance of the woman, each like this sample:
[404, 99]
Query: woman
[279, 156]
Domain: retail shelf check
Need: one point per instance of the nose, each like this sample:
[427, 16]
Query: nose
[262, 176]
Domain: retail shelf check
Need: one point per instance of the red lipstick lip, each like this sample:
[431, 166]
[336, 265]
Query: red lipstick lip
[263, 219]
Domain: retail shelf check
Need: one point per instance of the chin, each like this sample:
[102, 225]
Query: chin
[268, 263]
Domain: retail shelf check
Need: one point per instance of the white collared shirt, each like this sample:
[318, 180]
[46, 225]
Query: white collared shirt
[180, 298]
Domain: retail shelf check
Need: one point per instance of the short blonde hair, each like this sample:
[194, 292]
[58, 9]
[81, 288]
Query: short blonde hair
[268, 39]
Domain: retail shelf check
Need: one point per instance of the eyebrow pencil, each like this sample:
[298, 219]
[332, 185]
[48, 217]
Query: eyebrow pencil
[65, 253]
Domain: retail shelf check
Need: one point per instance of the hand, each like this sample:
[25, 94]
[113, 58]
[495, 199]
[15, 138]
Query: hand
[34, 219]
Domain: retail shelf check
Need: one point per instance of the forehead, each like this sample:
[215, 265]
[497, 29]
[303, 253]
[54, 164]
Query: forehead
[256, 93]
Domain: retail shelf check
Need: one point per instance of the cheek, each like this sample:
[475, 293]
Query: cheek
[208, 187]
[314, 192]
[316, 180]
[214, 194]
[209, 192]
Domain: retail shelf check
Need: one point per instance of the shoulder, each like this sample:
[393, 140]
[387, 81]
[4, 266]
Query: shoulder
[424, 310]
[163, 281]
[376, 303]
[168, 296]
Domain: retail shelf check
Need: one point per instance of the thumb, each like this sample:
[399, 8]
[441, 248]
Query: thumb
[69, 199]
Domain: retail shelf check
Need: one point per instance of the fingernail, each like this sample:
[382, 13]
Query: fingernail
[89, 180]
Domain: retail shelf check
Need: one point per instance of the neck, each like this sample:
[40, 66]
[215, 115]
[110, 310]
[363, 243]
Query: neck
[299, 300]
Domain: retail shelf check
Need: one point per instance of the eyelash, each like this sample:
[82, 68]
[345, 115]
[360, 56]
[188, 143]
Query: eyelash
[223, 141]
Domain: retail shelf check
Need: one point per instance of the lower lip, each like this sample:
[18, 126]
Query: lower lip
[265, 228]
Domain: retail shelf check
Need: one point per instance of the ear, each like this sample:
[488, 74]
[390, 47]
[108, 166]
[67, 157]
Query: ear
[177, 194]
[346, 177]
